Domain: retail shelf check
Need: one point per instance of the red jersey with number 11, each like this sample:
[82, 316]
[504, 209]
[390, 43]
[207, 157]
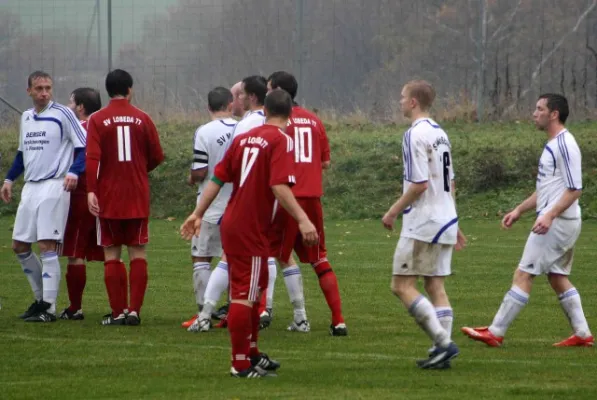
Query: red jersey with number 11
[125, 143]
[255, 161]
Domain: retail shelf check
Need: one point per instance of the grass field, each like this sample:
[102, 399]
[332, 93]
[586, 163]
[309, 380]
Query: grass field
[159, 360]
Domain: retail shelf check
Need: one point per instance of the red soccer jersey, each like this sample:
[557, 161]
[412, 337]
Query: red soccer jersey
[255, 161]
[311, 148]
[81, 189]
[125, 143]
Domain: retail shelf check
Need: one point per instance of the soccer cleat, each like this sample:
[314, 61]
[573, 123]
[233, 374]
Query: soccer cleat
[339, 330]
[110, 320]
[223, 323]
[133, 318]
[203, 325]
[248, 373]
[264, 363]
[190, 322]
[265, 319]
[34, 308]
[75, 316]
[43, 316]
[440, 358]
[576, 341]
[221, 313]
[302, 326]
[483, 334]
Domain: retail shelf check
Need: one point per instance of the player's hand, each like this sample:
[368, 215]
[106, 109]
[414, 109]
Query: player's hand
[309, 232]
[70, 183]
[388, 221]
[460, 240]
[191, 227]
[93, 204]
[6, 192]
[542, 225]
[510, 218]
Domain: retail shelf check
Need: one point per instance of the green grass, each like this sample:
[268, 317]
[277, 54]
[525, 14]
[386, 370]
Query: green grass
[159, 360]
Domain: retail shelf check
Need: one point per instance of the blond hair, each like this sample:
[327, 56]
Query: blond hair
[422, 91]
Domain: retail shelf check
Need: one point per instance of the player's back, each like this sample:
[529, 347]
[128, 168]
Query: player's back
[259, 159]
[129, 146]
[428, 158]
[252, 119]
[311, 149]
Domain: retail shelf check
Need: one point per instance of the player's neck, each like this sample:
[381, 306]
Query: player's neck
[220, 115]
[277, 122]
[418, 114]
[40, 108]
[119, 97]
[554, 129]
[255, 107]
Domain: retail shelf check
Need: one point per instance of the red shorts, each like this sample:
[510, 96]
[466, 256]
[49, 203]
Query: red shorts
[80, 236]
[286, 235]
[248, 276]
[123, 232]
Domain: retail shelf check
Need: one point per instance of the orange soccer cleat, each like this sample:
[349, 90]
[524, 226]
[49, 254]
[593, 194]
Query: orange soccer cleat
[574, 340]
[190, 322]
[483, 334]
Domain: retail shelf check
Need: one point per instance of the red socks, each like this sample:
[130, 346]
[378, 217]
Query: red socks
[255, 313]
[76, 278]
[262, 302]
[116, 280]
[138, 279]
[240, 328]
[329, 287]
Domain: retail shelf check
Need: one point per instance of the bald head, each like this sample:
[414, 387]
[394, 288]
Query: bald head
[237, 107]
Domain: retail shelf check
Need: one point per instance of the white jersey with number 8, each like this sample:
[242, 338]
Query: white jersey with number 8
[427, 156]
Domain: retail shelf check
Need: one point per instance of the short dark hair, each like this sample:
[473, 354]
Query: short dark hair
[219, 98]
[118, 83]
[557, 102]
[89, 97]
[256, 85]
[278, 104]
[285, 81]
[36, 75]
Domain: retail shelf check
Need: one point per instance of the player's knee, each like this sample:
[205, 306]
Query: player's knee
[436, 289]
[137, 252]
[46, 246]
[522, 279]
[20, 247]
[559, 283]
[399, 287]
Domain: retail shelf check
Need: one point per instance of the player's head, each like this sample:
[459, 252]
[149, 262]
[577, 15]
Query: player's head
[551, 109]
[84, 102]
[39, 88]
[416, 96]
[119, 83]
[219, 100]
[278, 105]
[283, 80]
[237, 105]
[253, 92]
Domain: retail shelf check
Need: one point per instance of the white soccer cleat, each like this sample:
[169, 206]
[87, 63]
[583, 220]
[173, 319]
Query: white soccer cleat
[302, 326]
[203, 325]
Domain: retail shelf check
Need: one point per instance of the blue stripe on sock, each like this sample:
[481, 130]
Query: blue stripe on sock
[412, 307]
[223, 265]
[444, 313]
[48, 255]
[291, 272]
[568, 293]
[518, 297]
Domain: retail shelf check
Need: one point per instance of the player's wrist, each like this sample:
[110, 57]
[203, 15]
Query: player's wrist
[72, 175]
[8, 181]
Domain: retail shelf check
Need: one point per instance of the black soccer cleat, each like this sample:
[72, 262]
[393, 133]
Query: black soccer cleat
[133, 319]
[339, 330]
[35, 308]
[108, 319]
[221, 313]
[440, 357]
[249, 373]
[265, 319]
[74, 316]
[263, 362]
[43, 316]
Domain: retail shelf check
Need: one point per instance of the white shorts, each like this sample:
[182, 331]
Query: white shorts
[414, 257]
[208, 243]
[42, 212]
[551, 253]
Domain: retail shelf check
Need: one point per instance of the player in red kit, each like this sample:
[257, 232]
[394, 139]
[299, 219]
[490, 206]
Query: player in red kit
[123, 147]
[260, 166]
[80, 236]
[311, 156]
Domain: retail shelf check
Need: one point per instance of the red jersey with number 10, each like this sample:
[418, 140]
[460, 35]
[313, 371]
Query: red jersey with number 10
[125, 142]
[311, 149]
[255, 161]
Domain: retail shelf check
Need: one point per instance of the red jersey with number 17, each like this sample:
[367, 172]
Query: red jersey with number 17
[255, 161]
[125, 143]
[311, 149]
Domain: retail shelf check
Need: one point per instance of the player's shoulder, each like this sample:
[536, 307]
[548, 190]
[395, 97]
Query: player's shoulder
[27, 114]
[62, 111]
[425, 125]
[566, 141]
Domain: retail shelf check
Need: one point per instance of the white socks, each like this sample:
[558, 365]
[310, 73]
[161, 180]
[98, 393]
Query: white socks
[273, 272]
[218, 282]
[445, 316]
[32, 269]
[201, 274]
[513, 303]
[424, 313]
[51, 278]
[570, 302]
[294, 284]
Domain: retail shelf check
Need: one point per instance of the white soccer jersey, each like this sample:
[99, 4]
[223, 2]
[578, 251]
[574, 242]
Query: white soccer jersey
[211, 142]
[48, 140]
[559, 170]
[252, 119]
[427, 158]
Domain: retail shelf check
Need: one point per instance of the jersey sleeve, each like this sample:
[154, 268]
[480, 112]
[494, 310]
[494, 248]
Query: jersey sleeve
[571, 162]
[156, 153]
[282, 162]
[200, 154]
[224, 171]
[416, 165]
[324, 143]
[73, 128]
[93, 155]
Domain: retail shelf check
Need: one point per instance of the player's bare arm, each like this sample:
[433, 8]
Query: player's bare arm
[529, 204]
[287, 200]
[543, 222]
[6, 192]
[198, 175]
[415, 190]
[326, 164]
[460, 237]
[192, 226]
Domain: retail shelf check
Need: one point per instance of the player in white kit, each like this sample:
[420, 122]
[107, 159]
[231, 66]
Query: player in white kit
[210, 144]
[429, 223]
[550, 245]
[51, 154]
